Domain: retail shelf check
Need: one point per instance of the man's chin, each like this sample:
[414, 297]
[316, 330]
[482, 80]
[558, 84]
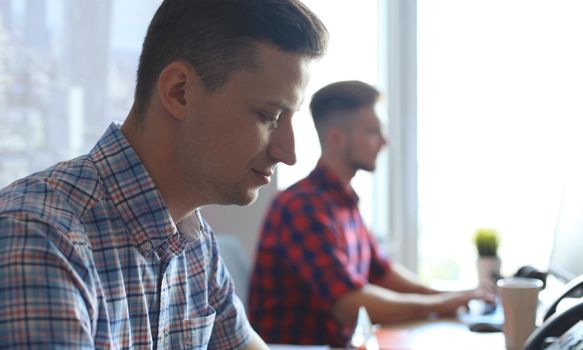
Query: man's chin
[247, 198]
[366, 167]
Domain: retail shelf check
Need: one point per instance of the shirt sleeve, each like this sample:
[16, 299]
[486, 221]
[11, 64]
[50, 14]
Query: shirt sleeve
[312, 246]
[231, 329]
[44, 301]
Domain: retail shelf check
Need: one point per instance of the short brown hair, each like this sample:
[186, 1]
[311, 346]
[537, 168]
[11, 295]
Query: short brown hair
[216, 37]
[342, 96]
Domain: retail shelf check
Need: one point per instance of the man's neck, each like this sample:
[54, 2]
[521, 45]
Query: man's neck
[344, 172]
[155, 157]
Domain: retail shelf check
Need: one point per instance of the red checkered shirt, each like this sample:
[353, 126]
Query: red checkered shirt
[314, 248]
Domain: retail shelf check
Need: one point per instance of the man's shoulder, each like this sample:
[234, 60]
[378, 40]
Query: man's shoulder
[303, 191]
[55, 195]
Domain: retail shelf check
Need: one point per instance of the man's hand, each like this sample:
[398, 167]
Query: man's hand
[447, 303]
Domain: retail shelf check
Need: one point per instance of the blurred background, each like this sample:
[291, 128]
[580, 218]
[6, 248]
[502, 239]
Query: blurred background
[481, 102]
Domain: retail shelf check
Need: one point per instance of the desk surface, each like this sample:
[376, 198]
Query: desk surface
[437, 334]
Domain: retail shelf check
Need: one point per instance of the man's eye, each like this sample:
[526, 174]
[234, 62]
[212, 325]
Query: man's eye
[270, 119]
[375, 132]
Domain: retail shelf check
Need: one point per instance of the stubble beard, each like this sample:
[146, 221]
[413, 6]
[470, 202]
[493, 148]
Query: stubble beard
[234, 194]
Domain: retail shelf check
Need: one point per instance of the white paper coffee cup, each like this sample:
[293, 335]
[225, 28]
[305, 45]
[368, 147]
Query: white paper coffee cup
[519, 300]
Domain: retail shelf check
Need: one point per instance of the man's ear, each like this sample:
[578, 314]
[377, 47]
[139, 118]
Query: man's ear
[335, 137]
[175, 83]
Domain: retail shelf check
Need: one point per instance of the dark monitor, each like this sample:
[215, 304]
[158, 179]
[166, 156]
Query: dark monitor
[567, 253]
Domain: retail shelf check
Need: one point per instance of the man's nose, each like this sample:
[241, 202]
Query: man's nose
[281, 147]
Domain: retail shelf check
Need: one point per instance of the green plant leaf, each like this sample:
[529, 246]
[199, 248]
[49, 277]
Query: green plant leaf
[487, 241]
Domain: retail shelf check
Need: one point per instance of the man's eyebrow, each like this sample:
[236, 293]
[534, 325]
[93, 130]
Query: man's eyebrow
[281, 105]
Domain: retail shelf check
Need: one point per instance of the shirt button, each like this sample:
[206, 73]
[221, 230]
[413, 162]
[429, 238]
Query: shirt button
[147, 246]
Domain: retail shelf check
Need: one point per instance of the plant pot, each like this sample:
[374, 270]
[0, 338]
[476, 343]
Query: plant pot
[488, 271]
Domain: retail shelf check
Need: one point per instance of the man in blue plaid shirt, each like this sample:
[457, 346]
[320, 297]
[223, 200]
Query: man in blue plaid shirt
[108, 250]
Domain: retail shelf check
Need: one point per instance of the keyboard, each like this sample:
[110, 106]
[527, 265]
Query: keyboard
[481, 312]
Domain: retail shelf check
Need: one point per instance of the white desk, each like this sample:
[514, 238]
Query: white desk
[437, 334]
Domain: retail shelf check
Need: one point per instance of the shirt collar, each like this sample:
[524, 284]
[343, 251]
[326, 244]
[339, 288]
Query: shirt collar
[136, 197]
[328, 180]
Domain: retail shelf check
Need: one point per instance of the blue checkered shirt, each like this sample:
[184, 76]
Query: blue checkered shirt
[90, 258]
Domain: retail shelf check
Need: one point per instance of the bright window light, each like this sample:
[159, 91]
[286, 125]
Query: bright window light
[352, 55]
[499, 116]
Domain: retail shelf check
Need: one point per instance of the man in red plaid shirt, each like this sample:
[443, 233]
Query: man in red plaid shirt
[316, 262]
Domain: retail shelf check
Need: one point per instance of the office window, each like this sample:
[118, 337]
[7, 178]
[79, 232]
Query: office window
[499, 117]
[67, 69]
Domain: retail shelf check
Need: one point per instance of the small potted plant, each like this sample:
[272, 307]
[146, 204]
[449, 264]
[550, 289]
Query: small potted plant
[487, 241]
